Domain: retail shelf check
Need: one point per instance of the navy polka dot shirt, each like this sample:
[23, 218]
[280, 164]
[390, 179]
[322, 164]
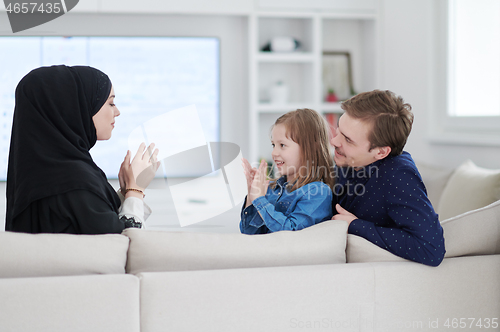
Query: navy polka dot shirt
[390, 201]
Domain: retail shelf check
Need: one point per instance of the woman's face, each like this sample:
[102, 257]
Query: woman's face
[104, 120]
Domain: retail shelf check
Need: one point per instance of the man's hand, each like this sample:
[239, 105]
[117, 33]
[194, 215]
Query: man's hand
[343, 214]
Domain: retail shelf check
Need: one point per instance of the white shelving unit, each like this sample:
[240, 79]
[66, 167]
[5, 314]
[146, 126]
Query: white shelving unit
[302, 70]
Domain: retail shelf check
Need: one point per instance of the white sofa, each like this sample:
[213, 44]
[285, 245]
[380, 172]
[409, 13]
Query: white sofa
[286, 281]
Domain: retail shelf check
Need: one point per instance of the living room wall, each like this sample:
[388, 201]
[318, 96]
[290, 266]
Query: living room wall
[408, 65]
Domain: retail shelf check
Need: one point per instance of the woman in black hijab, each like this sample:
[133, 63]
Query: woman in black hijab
[53, 185]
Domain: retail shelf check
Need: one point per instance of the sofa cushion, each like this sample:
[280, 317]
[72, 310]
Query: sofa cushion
[360, 250]
[469, 188]
[473, 233]
[152, 251]
[97, 303]
[36, 255]
[412, 297]
[287, 298]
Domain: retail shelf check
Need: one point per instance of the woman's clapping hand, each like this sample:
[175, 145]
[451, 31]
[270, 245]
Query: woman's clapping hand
[139, 172]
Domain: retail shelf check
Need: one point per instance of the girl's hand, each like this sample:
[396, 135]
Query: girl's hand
[259, 183]
[249, 172]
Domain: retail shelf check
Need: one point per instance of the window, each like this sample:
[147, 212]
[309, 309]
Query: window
[466, 94]
[474, 58]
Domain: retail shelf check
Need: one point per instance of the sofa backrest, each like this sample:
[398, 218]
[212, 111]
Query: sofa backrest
[472, 233]
[155, 251]
[42, 255]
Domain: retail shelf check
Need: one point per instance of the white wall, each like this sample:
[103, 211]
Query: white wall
[409, 58]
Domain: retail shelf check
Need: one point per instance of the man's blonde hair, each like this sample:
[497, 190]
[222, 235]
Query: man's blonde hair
[390, 116]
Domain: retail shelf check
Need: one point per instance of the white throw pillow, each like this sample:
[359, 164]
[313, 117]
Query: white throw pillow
[152, 251]
[473, 233]
[360, 250]
[435, 179]
[43, 255]
[469, 188]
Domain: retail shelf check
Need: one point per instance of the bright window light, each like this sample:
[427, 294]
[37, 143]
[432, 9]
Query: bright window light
[474, 50]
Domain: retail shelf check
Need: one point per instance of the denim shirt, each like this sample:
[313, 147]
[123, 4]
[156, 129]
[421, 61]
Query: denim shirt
[282, 210]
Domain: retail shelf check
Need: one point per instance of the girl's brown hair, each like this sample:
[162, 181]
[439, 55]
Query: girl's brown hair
[310, 131]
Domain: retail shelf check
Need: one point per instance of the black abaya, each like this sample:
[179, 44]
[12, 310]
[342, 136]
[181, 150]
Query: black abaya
[53, 185]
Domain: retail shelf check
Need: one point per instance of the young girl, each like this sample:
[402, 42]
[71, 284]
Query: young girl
[302, 196]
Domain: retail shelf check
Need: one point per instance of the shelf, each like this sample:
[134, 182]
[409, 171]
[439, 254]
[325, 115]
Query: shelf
[358, 15]
[300, 29]
[285, 57]
[297, 76]
[281, 108]
[331, 107]
[302, 71]
[354, 6]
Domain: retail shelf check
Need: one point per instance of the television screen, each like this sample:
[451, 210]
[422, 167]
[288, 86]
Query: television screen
[150, 76]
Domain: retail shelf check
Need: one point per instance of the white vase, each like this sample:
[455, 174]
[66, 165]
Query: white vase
[279, 93]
